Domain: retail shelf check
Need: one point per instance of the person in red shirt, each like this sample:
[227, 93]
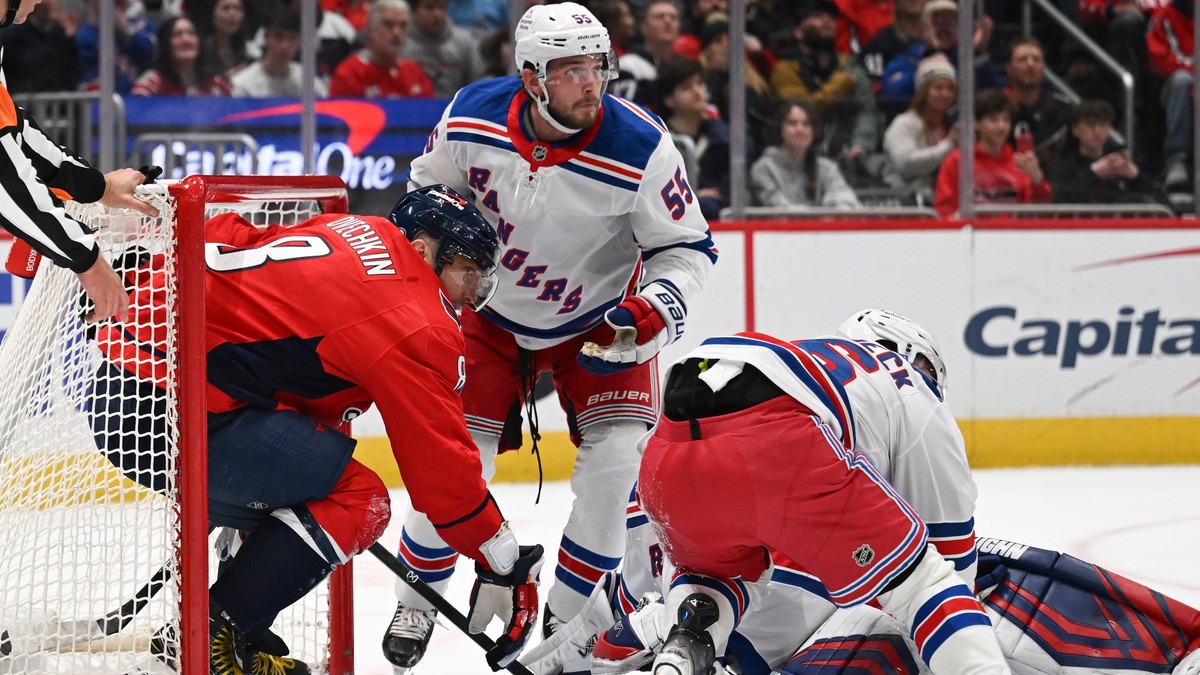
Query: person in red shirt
[859, 21]
[355, 11]
[1001, 175]
[379, 70]
[1169, 42]
[286, 373]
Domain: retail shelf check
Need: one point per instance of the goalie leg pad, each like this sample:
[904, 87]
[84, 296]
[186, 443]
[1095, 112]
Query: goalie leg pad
[574, 640]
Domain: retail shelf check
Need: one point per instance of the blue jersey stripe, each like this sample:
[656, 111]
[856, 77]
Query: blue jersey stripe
[574, 167]
[468, 137]
[705, 246]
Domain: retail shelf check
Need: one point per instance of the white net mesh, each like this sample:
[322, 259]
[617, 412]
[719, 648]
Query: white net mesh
[77, 538]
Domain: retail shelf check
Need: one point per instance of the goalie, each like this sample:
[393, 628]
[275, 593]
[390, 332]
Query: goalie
[284, 372]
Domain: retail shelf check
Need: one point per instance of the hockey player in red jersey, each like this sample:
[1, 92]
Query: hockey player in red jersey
[285, 372]
[601, 235]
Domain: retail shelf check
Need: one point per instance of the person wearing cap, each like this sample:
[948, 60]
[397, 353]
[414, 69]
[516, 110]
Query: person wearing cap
[839, 88]
[760, 97]
[920, 138]
[939, 33]
[1001, 175]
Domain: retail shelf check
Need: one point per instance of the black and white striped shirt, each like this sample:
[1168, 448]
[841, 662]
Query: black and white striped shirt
[31, 166]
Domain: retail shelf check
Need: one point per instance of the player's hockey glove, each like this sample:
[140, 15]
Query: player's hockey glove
[634, 640]
[641, 326]
[512, 597]
[573, 641]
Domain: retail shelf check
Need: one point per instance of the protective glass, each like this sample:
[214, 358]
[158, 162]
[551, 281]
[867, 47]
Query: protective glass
[596, 70]
[483, 283]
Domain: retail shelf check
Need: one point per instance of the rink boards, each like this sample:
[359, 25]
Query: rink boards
[1067, 341]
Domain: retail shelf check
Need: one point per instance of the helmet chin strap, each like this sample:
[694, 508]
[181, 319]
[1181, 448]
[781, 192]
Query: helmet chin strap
[544, 110]
[14, 6]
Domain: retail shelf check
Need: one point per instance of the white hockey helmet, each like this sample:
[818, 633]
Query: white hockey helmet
[548, 32]
[899, 334]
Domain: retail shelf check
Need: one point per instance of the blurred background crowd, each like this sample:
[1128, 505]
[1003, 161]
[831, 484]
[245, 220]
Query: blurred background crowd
[849, 103]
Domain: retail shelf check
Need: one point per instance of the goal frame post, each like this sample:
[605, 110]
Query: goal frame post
[191, 195]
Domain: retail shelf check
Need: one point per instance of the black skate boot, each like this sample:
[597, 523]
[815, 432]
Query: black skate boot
[406, 638]
[688, 649]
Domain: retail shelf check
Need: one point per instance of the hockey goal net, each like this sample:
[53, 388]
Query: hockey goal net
[97, 572]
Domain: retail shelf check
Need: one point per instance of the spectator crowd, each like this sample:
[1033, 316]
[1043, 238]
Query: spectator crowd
[848, 102]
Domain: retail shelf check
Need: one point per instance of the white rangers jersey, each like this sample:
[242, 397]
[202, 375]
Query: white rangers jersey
[881, 407]
[582, 223]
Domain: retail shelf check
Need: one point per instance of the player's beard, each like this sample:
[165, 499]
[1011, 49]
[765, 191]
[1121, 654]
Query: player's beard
[579, 116]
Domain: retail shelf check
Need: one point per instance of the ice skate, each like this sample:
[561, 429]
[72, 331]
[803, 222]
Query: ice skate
[406, 638]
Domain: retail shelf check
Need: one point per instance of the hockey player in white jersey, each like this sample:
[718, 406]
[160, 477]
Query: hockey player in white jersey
[1052, 613]
[899, 422]
[603, 244]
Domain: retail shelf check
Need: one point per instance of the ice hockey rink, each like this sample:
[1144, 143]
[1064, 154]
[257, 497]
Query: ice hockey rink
[1140, 522]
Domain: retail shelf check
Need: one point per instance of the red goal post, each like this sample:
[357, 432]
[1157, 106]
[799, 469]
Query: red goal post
[79, 539]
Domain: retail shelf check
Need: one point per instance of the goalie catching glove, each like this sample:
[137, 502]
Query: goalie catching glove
[641, 326]
[512, 597]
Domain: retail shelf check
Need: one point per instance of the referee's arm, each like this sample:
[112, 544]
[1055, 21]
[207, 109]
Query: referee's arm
[31, 164]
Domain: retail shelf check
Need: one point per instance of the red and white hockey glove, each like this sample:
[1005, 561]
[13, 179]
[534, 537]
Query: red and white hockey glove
[512, 597]
[642, 325]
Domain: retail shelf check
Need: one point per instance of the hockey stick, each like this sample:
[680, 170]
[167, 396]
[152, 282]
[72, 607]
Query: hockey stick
[57, 635]
[440, 603]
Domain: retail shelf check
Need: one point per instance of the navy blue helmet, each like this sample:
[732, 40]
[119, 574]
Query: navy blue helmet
[458, 226]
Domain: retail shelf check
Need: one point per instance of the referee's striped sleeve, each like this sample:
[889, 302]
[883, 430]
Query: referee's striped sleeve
[29, 165]
[58, 168]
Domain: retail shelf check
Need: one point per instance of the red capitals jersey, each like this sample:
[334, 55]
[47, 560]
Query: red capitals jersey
[326, 318]
[360, 77]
